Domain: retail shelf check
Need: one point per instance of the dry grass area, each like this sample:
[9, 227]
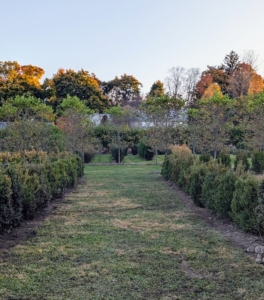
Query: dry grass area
[124, 235]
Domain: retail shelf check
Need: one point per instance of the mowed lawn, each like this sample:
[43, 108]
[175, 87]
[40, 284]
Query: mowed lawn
[102, 159]
[123, 235]
[136, 159]
[128, 159]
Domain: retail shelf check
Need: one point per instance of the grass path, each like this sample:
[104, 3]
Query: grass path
[102, 159]
[123, 235]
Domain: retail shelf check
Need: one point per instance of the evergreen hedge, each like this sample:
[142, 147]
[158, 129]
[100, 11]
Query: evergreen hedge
[233, 194]
[27, 189]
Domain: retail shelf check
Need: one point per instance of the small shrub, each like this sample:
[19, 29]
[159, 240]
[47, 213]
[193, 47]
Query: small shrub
[6, 210]
[88, 156]
[258, 162]
[180, 149]
[13, 172]
[161, 152]
[167, 168]
[205, 157]
[30, 185]
[224, 193]
[141, 150]
[145, 152]
[208, 190]
[243, 157]
[134, 149]
[244, 203]
[259, 210]
[149, 153]
[196, 179]
[115, 153]
[218, 189]
[181, 161]
[224, 158]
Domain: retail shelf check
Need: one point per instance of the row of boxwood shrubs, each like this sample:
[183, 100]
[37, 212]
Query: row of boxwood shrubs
[26, 189]
[234, 194]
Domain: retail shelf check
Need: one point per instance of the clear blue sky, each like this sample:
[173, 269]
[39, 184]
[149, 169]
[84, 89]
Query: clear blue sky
[143, 38]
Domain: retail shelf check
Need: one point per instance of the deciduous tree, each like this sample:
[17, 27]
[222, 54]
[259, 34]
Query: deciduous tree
[212, 89]
[119, 123]
[76, 124]
[212, 119]
[256, 84]
[157, 89]
[164, 116]
[240, 80]
[17, 80]
[123, 90]
[80, 84]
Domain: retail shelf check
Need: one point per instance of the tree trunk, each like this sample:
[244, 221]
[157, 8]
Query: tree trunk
[6, 157]
[156, 152]
[119, 154]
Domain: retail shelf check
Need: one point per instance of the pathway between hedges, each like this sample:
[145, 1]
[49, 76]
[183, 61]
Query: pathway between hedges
[124, 235]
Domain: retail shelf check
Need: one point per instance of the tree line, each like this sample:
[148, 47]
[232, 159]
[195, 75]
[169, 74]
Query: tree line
[222, 107]
[18, 80]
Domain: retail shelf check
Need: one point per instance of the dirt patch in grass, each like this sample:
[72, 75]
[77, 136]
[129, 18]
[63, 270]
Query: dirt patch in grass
[138, 224]
[194, 273]
[168, 251]
[120, 252]
[225, 227]
[259, 177]
[121, 203]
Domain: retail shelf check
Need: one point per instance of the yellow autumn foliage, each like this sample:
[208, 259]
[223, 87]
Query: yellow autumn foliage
[17, 156]
[181, 150]
[211, 90]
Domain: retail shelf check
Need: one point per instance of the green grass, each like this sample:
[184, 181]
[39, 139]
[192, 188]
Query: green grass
[134, 159]
[124, 235]
[129, 159]
[102, 159]
[233, 158]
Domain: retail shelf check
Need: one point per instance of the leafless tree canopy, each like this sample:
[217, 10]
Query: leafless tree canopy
[250, 57]
[181, 82]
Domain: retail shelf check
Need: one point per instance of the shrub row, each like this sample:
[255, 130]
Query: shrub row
[27, 189]
[233, 194]
[145, 152]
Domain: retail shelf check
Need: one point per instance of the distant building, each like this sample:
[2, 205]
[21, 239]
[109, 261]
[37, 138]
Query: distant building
[3, 125]
[98, 118]
[136, 122]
